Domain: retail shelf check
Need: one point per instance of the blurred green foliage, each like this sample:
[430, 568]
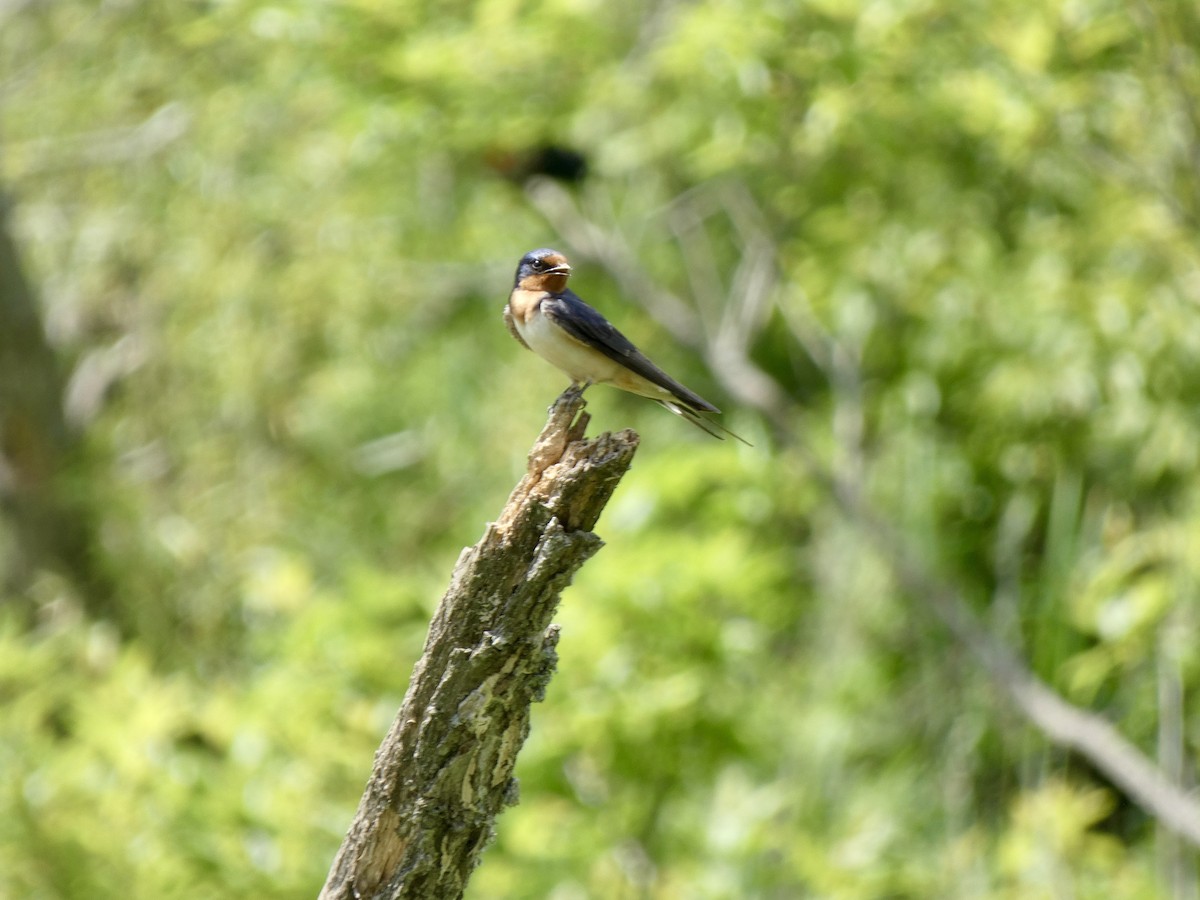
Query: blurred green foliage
[284, 224]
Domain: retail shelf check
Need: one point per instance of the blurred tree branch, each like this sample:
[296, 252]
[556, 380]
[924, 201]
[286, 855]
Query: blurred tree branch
[727, 350]
[110, 146]
[444, 771]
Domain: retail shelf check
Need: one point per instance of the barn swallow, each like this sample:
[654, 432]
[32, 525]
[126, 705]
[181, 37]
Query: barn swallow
[551, 320]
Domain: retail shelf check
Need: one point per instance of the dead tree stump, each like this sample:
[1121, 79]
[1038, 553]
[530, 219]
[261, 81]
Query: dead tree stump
[445, 769]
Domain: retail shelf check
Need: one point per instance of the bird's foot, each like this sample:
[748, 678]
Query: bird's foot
[573, 394]
[575, 391]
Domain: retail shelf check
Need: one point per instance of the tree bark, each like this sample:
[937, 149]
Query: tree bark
[444, 771]
[53, 529]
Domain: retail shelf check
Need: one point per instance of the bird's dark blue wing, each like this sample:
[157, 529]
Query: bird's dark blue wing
[584, 324]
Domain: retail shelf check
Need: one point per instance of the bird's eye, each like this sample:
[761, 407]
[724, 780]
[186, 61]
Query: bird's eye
[539, 264]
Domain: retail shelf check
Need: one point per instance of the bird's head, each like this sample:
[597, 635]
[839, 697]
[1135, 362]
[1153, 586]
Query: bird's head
[543, 270]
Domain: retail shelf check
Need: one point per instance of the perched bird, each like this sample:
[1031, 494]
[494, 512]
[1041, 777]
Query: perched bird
[549, 319]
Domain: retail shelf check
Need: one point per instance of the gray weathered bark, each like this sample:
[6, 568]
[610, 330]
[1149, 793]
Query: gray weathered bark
[444, 771]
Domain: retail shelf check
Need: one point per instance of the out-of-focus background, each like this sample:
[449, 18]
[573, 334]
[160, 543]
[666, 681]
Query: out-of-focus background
[937, 260]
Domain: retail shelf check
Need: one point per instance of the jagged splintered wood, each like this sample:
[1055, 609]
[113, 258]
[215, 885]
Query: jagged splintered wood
[445, 769]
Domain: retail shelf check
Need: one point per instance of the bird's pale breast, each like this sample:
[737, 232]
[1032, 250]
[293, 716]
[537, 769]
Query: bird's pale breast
[558, 348]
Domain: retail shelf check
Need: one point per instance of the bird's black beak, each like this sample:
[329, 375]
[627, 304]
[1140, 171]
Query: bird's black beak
[562, 269]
